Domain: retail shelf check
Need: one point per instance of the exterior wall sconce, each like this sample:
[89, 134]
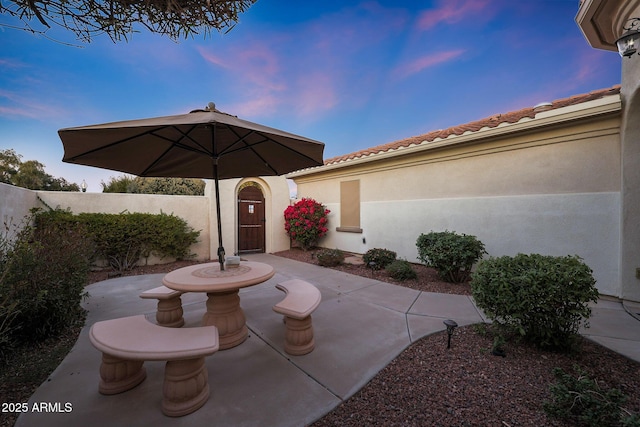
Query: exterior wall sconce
[630, 40]
[451, 325]
[83, 186]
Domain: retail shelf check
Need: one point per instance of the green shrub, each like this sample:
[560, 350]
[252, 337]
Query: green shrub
[401, 270]
[541, 298]
[330, 257]
[451, 254]
[43, 270]
[123, 239]
[581, 400]
[377, 258]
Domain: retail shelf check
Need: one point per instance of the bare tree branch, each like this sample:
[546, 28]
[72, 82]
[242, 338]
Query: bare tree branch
[117, 18]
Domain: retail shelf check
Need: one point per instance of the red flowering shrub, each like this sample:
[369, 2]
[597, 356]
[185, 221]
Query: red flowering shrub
[305, 222]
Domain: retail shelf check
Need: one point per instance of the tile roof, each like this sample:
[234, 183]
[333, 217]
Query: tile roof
[488, 122]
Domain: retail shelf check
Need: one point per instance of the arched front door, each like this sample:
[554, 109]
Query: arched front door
[251, 220]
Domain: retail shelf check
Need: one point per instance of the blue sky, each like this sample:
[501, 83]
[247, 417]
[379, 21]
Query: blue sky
[350, 74]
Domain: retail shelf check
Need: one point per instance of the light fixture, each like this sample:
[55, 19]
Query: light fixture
[451, 325]
[84, 186]
[630, 40]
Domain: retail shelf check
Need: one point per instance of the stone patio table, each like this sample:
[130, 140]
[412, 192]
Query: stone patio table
[222, 288]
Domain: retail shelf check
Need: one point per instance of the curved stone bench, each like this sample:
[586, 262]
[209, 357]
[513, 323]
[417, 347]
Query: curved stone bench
[169, 311]
[127, 342]
[301, 300]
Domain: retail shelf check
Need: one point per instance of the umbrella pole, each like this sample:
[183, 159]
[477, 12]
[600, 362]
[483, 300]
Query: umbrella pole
[220, 248]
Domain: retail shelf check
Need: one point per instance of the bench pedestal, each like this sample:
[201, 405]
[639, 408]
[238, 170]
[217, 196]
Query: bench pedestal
[185, 388]
[118, 375]
[298, 336]
[170, 313]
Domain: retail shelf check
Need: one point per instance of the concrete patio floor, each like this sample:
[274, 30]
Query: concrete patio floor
[360, 326]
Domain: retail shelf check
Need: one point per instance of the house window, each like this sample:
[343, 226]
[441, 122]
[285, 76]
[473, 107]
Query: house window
[350, 207]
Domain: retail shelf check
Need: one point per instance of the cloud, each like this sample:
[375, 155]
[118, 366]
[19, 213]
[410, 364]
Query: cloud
[11, 63]
[419, 64]
[450, 12]
[307, 70]
[317, 93]
[14, 105]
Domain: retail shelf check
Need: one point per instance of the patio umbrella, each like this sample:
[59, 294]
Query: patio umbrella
[206, 144]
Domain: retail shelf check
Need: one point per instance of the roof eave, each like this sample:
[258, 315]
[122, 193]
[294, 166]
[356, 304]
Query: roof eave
[583, 111]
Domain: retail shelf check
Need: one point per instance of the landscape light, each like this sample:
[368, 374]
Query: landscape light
[451, 325]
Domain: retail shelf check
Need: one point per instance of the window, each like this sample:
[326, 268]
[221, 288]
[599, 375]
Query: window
[350, 207]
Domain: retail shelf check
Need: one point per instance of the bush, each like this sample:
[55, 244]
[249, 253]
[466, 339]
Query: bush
[581, 400]
[451, 254]
[377, 258]
[43, 271]
[541, 298]
[305, 222]
[123, 239]
[330, 257]
[401, 270]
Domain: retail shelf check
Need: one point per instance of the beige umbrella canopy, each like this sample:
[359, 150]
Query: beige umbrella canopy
[202, 144]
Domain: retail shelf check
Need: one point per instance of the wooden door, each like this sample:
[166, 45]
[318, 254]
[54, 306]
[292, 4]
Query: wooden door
[251, 220]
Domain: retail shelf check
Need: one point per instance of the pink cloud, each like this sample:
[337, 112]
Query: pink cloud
[212, 59]
[317, 93]
[303, 75]
[254, 63]
[255, 107]
[450, 12]
[25, 107]
[419, 64]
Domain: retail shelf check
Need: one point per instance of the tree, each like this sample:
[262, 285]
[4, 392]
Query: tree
[117, 185]
[119, 18]
[138, 185]
[30, 174]
[9, 165]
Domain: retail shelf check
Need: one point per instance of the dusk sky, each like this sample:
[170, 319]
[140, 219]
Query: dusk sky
[350, 74]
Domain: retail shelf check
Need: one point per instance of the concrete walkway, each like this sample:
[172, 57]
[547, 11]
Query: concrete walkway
[360, 326]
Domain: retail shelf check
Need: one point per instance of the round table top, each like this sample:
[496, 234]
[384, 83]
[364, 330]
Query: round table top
[208, 277]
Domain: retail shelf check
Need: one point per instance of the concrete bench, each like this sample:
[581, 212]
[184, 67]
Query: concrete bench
[126, 343]
[301, 300]
[169, 311]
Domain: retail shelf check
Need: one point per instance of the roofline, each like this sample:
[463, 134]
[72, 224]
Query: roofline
[557, 116]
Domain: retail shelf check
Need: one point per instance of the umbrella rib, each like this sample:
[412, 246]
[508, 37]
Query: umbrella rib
[241, 139]
[250, 146]
[120, 141]
[176, 144]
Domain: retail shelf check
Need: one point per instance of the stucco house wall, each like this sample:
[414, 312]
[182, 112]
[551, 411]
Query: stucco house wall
[546, 184]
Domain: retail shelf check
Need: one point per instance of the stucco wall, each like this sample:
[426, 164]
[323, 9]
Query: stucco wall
[555, 192]
[630, 261]
[15, 203]
[276, 193]
[586, 225]
[199, 212]
[193, 209]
